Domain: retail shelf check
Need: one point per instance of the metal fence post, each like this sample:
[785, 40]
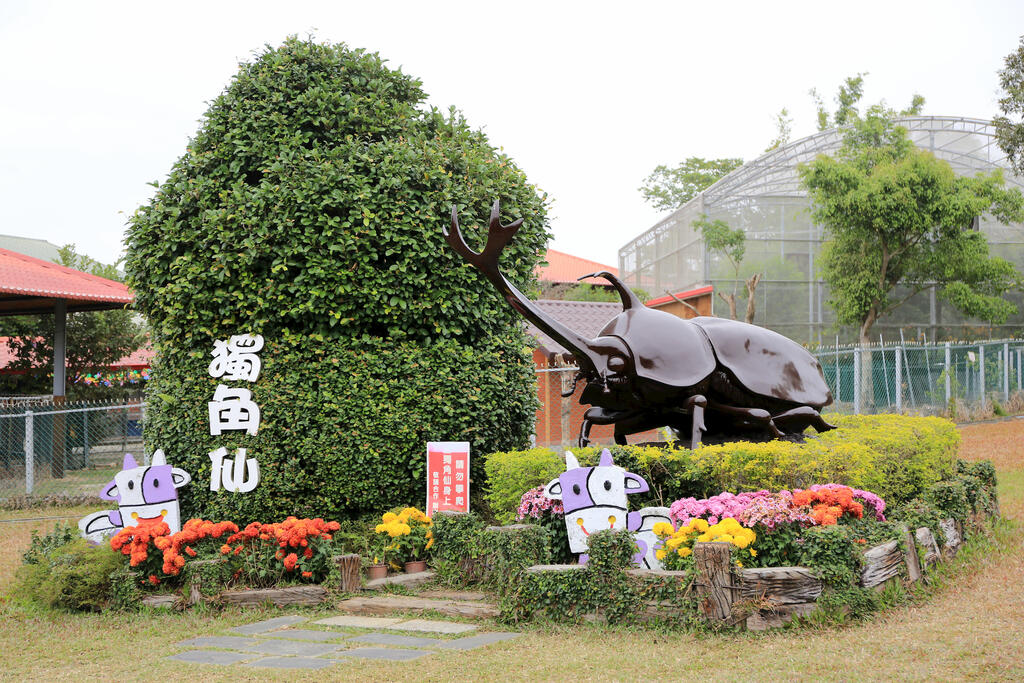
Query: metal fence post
[949, 369]
[1019, 379]
[1006, 371]
[30, 457]
[981, 373]
[899, 380]
[856, 381]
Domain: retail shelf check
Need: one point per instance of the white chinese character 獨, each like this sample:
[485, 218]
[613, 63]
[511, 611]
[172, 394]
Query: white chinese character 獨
[236, 358]
[233, 409]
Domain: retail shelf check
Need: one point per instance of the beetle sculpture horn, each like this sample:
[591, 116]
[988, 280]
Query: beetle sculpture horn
[629, 299]
[486, 261]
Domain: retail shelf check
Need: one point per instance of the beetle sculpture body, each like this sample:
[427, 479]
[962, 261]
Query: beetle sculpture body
[649, 369]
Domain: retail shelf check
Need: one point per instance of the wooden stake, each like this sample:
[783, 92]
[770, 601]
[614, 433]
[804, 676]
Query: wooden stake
[714, 579]
[349, 567]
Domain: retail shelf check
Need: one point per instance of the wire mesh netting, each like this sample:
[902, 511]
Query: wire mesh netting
[70, 449]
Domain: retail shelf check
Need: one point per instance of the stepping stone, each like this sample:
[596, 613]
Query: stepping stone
[292, 663]
[473, 642]
[268, 625]
[358, 621]
[306, 634]
[433, 626]
[470, 596]
[398, 641]
[210, 657]
[275, 646]
[390, 604]
[407, 580]
[384, 653]
[225, 642]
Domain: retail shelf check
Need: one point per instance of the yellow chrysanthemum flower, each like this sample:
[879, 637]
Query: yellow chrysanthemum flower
[699, 524]
[740, 541]
[753, 553]
[674, 543]
[685, 552]
[660, 554]
[389, 517]
[704, 537]
[725, 538]
[662, 529]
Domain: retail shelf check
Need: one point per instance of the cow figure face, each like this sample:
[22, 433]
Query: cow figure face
[594, 498]
[147, 493]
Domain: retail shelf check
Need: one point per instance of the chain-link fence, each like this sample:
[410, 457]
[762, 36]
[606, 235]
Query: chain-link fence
[67, 449]
[923, 378]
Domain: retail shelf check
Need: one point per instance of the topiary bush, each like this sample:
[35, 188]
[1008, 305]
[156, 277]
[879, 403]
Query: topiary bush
[309, 208]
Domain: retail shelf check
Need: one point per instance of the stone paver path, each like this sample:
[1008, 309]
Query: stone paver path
[275, 643]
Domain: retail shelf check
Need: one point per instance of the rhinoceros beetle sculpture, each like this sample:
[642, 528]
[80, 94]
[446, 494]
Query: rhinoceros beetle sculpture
[649, 369]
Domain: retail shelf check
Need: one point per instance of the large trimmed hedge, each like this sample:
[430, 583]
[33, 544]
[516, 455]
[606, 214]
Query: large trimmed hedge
[309, 209]
[896, 456]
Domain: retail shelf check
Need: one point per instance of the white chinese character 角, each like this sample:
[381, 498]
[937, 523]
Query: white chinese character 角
[233, 409]
[236, 358]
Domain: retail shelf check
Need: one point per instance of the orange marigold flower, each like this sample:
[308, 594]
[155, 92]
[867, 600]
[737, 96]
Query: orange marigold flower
[179, 561]
[290, 561]
[307, 553]
[191, 551]
[307, 575]
[153, 579]
[225, 549]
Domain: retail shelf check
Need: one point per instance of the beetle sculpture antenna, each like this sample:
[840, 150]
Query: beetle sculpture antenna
[649, 369]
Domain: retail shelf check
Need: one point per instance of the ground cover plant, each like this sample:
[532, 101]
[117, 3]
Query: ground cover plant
[964, 630]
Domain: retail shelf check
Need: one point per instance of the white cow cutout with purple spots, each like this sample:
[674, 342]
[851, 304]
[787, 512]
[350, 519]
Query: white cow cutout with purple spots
[142, 494]
[594, 498]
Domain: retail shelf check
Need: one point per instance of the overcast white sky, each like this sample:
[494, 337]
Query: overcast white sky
[100, 98]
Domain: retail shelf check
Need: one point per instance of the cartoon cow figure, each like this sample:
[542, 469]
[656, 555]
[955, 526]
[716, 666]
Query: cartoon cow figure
[594, 498]
[142, 494]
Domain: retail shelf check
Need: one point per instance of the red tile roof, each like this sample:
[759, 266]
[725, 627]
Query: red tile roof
[24, 276]
[564, 267]
[680, 295]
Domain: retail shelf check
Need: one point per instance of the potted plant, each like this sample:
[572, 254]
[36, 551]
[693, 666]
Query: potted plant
[409, 531]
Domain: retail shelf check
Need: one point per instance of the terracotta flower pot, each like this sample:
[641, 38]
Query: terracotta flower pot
[377, 571]
[415, 566]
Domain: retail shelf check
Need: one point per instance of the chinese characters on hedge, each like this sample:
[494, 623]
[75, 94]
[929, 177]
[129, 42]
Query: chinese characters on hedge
[447, 476]
[232, 409]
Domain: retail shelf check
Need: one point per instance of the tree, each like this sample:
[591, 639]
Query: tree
[732, 244]
[95, 339]
[1010, 125]
[847, 97]
[897, 216]
[667, 189]
[784, 128]
[309, 208]
[583, 291]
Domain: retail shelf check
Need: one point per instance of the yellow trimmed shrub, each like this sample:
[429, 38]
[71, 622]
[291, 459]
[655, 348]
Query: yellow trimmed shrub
[895, 456]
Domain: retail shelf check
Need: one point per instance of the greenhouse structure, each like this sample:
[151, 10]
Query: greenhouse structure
[765, 198]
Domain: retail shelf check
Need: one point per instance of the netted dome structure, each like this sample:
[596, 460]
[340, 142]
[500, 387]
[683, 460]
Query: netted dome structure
[765, 198]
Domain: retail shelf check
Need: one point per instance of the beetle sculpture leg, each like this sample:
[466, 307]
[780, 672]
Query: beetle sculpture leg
[797, 420]
[696, 405]
[597, 415]
[748, 417]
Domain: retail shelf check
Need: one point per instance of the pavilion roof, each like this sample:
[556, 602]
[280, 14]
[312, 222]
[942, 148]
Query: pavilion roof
[31, 285]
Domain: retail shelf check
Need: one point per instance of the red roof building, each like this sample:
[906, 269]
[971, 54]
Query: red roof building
[565, 268]
[31, 285]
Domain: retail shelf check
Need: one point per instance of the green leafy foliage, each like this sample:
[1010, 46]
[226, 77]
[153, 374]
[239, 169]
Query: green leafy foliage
[669, 188]
[1010, 123]
[467, 552]
[894, 456]
[343, 426]
[309, 208]
[950, 498]
[41, 547]
[896, 216]
[830, 551]
[610, 550]
[70, 576]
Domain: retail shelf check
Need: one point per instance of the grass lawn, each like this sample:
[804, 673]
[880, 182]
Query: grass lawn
[970, 629]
